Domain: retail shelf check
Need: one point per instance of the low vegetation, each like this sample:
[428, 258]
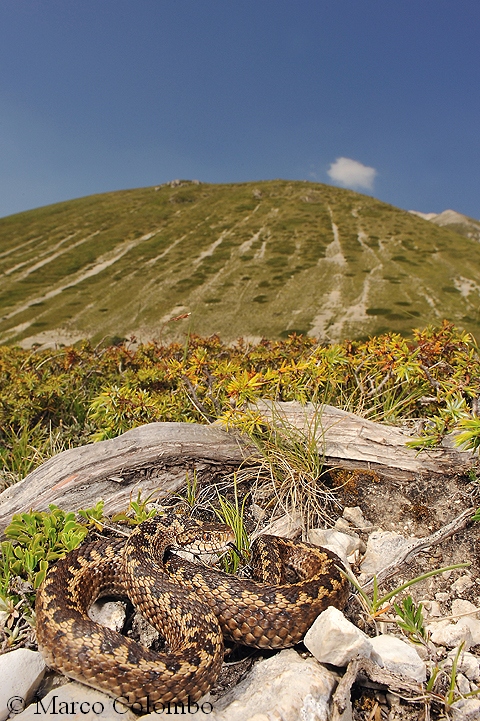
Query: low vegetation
[51, 400]
[256, 259]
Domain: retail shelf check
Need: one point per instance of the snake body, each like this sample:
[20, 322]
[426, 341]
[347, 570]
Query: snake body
[193, 606]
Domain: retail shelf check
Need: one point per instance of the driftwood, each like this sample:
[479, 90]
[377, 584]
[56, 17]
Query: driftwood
[154, 458]
[350, 441]
[363, 671]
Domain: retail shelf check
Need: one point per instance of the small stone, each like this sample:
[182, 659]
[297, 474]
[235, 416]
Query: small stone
[466, 709]
[354, 515]
[442, 597]
[21, 672]
[111, 614]
[383, 547]
[462, 584]
[287, 526]
[147, 634]
[462, 683]
[420, 649]
[342, 525]
[392, 700]
[431, 609]
[399, 657]
[461, 606]
[473, 626]
[450, 635]
[340, 543]
[333, 639]
[257, 512]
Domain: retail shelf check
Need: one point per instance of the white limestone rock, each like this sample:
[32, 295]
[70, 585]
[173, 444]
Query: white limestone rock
[111, 614]
[462, 683]
[461, 606]
[383, 547]
[431, 609]
[287, 526]
[147, 634]
[285, 687]
[333, 639]
[20, 672]
[399, 657]
[466, 709]
[473, 626]
[342, 525]
[74, 700]
[354, 515]
[463, 583]
[444, 633]
[340, 543]
[467, 663]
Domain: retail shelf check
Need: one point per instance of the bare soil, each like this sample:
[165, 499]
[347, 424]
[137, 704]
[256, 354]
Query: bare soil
[415, 509]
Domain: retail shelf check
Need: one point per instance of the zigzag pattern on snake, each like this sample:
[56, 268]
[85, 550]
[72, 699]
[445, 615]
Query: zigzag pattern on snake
[193, 606]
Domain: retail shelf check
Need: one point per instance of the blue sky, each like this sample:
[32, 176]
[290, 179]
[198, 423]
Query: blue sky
[100, 95]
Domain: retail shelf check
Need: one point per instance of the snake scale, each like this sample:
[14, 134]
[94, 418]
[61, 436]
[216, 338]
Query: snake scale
[192, 605]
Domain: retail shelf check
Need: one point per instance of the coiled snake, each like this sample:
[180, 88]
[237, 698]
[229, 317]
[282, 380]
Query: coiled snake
[193, 606]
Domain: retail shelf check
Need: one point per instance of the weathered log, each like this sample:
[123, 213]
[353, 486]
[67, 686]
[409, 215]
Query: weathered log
[347, 440]
[154, 458]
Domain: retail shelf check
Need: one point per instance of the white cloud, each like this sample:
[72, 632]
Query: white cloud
[351, 173]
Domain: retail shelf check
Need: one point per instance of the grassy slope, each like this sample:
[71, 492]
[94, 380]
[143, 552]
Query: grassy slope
[249, 259]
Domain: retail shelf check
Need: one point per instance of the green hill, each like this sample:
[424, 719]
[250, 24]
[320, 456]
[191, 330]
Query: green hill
[250, 259]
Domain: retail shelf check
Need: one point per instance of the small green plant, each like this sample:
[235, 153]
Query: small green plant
[451, 695]
[469, 437]
[378, 605]
[410, 620]
[232, 513]
[472, 475]
[450, 417]
[14, 636]
[93, 516]
[190, 494]
[119, 408]
[21, 451]
[36, 538]
[446, 698]
[137, 511]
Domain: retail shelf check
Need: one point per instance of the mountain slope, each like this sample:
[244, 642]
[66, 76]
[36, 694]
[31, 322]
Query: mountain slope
[251, 259]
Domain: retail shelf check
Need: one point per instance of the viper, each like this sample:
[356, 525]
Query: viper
[193, 606]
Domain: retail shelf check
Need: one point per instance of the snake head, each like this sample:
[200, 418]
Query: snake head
[206, 538]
